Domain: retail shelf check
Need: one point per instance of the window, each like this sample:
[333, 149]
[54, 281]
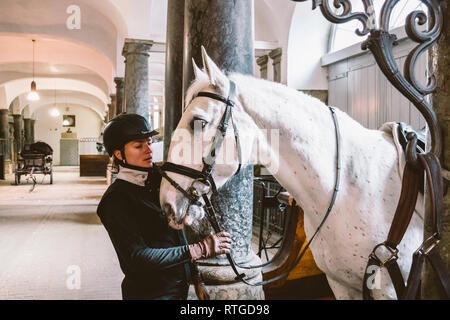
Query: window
[343, 35]
[155, 111]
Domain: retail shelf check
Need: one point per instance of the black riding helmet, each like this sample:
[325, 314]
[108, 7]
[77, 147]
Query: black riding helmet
[124, 128]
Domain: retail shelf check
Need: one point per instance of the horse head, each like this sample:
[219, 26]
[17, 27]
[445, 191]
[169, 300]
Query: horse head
[192, 144]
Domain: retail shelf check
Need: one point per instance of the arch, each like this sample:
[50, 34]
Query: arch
[21, 87]
[66, 98]
[100, 28]
[51, 52]
[265, 22]
[35, 109]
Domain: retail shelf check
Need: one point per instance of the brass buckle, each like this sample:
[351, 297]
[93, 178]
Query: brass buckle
[392, 257]
[428, 244]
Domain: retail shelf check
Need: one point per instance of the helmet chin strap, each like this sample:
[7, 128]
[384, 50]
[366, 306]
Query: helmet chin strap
[124, 164]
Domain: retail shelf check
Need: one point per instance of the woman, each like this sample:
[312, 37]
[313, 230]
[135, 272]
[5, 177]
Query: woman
[156, 259]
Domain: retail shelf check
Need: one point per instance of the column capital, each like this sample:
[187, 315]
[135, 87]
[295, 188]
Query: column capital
[136, 46]
[262, 60]
[275, 54]
[119, 82]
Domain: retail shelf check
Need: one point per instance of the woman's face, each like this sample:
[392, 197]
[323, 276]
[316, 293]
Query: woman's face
[138, 153]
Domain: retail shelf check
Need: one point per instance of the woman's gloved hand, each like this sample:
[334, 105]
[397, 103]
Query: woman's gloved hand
[211, 246]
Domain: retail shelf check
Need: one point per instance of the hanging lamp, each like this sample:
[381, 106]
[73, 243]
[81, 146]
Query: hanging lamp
[33, 95]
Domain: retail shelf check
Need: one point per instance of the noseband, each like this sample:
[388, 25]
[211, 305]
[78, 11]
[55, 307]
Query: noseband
[205, 177]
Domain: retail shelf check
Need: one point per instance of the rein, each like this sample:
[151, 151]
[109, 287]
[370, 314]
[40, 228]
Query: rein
[205, 177]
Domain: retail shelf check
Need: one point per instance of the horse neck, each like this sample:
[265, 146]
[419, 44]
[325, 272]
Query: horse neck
[304, 157]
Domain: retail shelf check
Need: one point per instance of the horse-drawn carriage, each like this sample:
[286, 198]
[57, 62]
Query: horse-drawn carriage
[36, 158]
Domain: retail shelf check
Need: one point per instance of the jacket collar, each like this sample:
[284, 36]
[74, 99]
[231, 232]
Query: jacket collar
[134, 176]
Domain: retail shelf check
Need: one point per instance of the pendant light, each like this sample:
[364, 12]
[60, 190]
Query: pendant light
[54, 112]
[33, 95]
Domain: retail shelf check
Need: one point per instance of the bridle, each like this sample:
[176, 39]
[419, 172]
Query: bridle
[205, 177]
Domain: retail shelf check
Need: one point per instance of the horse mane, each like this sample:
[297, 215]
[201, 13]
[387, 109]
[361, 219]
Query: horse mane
[264, 87]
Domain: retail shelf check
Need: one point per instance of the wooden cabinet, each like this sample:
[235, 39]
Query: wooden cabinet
[93, 165]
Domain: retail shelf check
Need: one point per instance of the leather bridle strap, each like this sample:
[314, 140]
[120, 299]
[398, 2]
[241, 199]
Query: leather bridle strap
[213, 221]
[210, 160]
[208, 163]
[193, 199]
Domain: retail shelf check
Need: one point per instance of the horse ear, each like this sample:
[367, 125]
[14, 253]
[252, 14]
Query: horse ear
[197, 71]
[215, 75]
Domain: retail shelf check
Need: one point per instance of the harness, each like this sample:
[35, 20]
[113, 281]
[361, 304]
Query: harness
[205, 177]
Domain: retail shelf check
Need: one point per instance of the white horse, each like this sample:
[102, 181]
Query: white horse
[304, 162]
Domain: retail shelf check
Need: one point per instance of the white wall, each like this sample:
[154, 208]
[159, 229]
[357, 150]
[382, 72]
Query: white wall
[48, 129]
[308, 42]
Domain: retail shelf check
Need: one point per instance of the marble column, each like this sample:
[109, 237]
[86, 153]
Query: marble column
[275, 55]
[27, 131]
[225, 29]
[112, 107]
[119, 95]
[18, 127]
[262, 63]
[136, 89]
[32, 124]
[4, 134]
[174, 70]
[439, 64]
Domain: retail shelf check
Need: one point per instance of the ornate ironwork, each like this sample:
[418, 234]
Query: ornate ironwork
[380, 42]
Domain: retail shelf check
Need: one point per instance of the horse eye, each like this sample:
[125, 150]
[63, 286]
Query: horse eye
[204, 122]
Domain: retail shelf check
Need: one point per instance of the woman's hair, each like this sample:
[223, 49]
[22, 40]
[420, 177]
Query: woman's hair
[117, 162]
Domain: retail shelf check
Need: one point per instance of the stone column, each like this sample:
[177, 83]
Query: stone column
[4, 142]
[32, 124]
[439, 64]
[262, 63]
[119, 95]
[174, 70]
[225, 29]
[112, 107]
[18, 127]
[27, 131]
[107, 114]
[136, 92]
[4, 134]
[275, 55]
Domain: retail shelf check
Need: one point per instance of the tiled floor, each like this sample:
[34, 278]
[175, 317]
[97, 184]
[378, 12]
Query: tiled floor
[52, 244]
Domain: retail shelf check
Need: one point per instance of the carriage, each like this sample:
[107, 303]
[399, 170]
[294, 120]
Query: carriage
[36, 158]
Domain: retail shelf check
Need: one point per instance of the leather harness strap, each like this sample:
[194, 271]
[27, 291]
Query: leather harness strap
[428, 250]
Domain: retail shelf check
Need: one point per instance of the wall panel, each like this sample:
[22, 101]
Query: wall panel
[358, 87]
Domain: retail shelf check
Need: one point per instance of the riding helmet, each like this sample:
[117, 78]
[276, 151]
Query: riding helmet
[124, 128]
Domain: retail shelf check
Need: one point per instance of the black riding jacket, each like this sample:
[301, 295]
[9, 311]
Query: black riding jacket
[154, 257]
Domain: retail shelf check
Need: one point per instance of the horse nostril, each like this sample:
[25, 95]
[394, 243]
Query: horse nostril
[168, 210]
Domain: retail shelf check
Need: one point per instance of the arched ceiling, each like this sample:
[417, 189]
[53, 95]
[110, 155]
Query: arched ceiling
[33, 111]
[87, 59]
[58, 86]
[80, 60]
[50, 17]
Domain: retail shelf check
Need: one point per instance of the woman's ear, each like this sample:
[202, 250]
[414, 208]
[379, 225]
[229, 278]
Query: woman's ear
[118, 154]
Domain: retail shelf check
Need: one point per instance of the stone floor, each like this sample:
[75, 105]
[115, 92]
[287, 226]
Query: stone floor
[52, 244]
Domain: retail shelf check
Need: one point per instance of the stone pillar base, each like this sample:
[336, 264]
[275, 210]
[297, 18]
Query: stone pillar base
[9, 167]
[219, 280]
[233, 291]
